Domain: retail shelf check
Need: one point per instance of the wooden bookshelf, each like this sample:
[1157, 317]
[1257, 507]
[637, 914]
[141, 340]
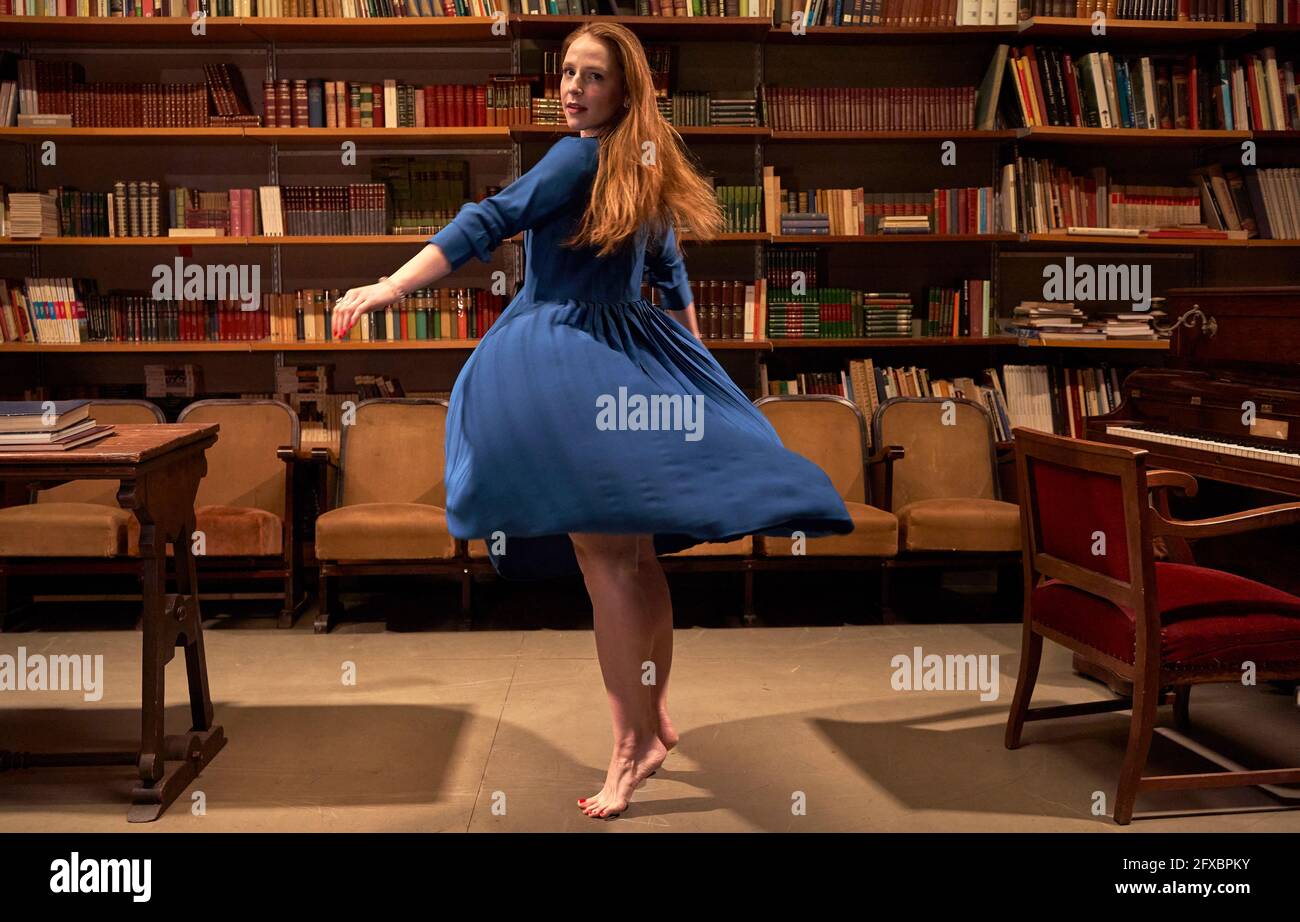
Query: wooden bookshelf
[658, 28]
[262, 345]
[1129, 137]
[903, 342]
[854, 35]
[892, 239]
[1150, 31]
[1156, 345]
[475, 35]
[888, 136]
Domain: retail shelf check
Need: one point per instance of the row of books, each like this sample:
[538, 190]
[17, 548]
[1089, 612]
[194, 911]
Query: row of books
[1057, 399]
[963, 310]
[844, 313]
[725, 309]
[703, 108]
[854, 12]
[1054, 321]
[134, 209]
[429, 313]
[855, 212]
[318, 103]
[1258, 11]
[59, 89]
[884, 108]
[1048, 398]
[71, 310]
[1049, 86]
[896, 13]
[1040, 196]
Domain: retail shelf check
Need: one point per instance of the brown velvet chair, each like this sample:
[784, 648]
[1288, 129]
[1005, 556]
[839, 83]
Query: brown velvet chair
[75, 528]
[831, 432]
[1093, 585]
[946, 490]
[388, 514]
[244, 508]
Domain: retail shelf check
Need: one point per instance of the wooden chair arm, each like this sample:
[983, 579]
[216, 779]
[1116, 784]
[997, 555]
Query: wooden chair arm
[322, 456]
[1005, 451]
[1172, 480]
[1230, 524]
[887, 455]
[880, 470]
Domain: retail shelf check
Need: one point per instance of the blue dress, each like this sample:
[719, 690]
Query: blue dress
[585, 408]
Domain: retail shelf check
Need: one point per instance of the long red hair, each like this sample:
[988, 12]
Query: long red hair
[645, 173]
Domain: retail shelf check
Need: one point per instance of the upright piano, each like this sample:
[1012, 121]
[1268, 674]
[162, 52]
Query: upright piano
[1227, 406]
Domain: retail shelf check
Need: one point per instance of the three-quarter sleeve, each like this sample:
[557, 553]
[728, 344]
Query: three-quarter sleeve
[479, 227]
[668, 272]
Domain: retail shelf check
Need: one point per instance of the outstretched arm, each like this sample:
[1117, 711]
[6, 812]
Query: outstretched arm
[479, 228]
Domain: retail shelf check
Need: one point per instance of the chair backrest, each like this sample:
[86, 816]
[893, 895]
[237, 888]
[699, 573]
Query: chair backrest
[949, 448]
[243, 468]
[827, 430]
[393, 452]
[1083, 518]
[104, 492]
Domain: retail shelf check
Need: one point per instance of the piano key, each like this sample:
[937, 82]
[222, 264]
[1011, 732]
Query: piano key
[1211, 444]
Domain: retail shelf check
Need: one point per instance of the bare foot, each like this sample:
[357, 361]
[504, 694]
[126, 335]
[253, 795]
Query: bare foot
[628, 767]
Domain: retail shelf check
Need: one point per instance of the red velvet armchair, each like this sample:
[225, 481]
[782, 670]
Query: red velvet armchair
[1092, 584]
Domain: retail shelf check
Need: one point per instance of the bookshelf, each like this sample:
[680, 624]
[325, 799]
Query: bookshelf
[725, 52]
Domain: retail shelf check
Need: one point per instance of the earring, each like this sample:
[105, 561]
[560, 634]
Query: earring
[627, 104]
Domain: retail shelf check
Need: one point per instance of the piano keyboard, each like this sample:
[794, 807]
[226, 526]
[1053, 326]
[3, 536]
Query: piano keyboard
[1222, 447]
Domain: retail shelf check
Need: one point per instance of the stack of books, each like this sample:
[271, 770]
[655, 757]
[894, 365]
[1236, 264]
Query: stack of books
[1052, 320]
[52, 425]
[887, 315]
[1131, 325]
[905, 224]
[805, 222]
[33, 214]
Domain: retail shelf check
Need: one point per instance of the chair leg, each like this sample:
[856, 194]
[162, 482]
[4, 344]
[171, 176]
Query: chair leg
[1031, 654]
[1182, 707]
[748, 612]
[886, 609]
[326, 604]
[466, 599]
[1139, 745]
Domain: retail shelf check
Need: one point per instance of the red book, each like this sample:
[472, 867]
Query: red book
[1252, 94]
[1193, 88]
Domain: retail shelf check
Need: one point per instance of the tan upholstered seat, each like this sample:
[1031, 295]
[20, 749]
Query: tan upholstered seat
[241, 500]
[875, 534]
[67, 530]
[741, 547]
[945, 487]
[830, 432]
[392, 502]
[384, 531]
[80, 518]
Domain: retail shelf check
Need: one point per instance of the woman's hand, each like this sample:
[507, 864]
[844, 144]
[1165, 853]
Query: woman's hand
[349, 308]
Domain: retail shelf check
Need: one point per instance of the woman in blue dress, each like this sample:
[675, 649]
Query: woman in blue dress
[590, 430]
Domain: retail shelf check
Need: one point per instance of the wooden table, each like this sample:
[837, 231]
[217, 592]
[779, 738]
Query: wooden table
[159, 467]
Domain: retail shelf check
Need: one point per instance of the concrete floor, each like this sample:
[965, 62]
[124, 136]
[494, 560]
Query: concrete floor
[444, 729]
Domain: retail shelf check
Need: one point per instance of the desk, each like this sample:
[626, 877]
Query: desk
[158, 467]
